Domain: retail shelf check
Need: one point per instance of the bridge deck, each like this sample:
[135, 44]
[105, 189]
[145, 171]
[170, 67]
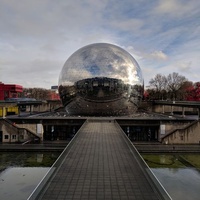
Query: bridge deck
[100, 165]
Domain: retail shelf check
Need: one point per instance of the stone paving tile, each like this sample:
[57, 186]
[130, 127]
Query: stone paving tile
[99, 166]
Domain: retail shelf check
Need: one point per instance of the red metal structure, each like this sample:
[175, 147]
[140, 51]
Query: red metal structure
[10, 91]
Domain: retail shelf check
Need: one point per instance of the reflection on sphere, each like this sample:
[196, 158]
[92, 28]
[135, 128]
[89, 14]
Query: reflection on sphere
[101, 80]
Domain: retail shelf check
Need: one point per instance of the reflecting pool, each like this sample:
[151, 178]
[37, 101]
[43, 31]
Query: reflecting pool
[179, 174]
[20, 173]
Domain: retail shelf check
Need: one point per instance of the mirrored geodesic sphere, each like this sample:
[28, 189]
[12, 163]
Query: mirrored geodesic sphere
[101, 80]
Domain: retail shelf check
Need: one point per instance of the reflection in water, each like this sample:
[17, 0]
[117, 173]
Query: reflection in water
[181, 184]
[21, 172]
[40, 157]
[17, 183]
[101, 79]
[179, 174]
[27, 159]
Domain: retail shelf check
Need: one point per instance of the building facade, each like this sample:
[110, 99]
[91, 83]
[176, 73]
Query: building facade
[10, 91]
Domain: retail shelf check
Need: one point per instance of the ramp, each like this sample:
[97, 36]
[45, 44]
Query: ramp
[100, 163]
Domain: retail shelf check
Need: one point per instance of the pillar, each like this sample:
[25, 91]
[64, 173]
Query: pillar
[163, 109]
[172, 110]
[3, 112]
[183, 111]
[30, 109]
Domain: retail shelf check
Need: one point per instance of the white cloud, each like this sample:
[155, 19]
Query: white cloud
[176, 8]
[37, 36]
[184, 67]
[153, 56]
[159, 55]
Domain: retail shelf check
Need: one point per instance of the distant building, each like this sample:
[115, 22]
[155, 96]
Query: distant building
[53, 94]
[10, 91]
[54, 87]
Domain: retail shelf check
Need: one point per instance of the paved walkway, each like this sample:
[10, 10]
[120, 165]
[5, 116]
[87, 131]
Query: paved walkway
[99, 166]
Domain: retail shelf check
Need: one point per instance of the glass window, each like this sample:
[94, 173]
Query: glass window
[6, 137]
[14, 137]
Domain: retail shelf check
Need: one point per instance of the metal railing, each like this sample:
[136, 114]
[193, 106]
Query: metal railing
[163, 194]
[42, 186]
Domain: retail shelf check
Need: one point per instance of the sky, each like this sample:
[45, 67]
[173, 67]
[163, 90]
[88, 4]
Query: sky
[37, 37]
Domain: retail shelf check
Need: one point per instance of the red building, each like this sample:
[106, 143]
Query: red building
[10, 91]
[53, 96]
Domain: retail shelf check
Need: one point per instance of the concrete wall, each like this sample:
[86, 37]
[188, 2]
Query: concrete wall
[168, 127]
[169, 109]
[46, 106]
[175, 125]
[12, 133]
[188, 135]
[33, 128]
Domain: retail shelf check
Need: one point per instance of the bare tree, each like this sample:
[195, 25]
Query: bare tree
[158, 84]
[174, 84]
[37, 93]
[168, 87]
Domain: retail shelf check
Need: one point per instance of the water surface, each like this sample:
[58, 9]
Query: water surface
[179, 174]
[20, 172]
[17, 183]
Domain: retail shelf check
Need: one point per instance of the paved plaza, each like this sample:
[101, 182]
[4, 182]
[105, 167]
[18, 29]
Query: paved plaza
[100, 165]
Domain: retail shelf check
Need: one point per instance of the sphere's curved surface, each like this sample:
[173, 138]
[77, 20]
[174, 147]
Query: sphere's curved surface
[101, 80]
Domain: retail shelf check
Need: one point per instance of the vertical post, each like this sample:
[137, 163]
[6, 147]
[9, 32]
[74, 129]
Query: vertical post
[19, 110]
[172, 110]
[163, 109]
[30, 109]
[3, 112]
[183, 111]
